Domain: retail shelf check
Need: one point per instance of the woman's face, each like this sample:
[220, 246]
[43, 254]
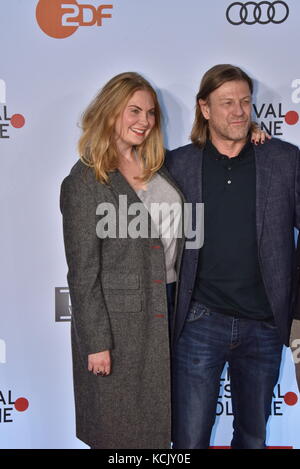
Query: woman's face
[136, 121]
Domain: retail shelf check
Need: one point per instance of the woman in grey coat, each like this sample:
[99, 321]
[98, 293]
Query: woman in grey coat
[120, 255]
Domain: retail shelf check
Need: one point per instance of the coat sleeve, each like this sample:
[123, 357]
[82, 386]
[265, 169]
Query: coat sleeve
[90, 318]
[297, 191]
[297, 225]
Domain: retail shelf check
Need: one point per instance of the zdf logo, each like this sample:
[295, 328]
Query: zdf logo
[61, 18]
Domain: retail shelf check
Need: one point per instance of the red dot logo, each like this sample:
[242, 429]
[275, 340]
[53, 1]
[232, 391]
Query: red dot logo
[290, 398]
[17, 121]
[291, 117]
[21, 404]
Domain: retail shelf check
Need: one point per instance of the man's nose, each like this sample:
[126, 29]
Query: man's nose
[238, 109]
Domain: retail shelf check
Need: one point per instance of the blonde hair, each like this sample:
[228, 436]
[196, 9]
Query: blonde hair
[97, 146]
[213, 79]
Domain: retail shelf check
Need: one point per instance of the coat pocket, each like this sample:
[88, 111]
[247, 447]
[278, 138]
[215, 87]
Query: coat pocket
[118, 281]
[123, 303]
[122, 292]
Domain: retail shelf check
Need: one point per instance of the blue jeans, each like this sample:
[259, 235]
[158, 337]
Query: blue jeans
[209, 340]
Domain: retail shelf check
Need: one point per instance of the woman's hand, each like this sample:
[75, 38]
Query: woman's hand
[100, 363]
[258, 135]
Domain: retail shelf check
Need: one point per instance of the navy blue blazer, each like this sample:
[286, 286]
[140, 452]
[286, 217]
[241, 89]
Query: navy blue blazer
[277, 213]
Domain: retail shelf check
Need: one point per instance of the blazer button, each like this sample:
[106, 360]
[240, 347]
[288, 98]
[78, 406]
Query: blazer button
[190, 292]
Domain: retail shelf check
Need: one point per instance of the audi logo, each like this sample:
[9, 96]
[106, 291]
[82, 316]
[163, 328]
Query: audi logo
[251, 12]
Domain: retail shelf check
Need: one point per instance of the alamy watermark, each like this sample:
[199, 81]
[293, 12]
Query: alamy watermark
[166, 221]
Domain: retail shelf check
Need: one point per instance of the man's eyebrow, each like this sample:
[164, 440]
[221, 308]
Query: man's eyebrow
[230, 97]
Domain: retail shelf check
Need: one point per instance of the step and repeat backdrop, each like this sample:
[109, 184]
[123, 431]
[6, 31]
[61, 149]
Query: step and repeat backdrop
[55, 55]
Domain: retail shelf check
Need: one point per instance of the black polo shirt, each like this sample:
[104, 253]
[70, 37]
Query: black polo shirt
[228, 276]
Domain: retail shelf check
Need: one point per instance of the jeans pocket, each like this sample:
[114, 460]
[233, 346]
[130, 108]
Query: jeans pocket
[195, 314]
[270, 325]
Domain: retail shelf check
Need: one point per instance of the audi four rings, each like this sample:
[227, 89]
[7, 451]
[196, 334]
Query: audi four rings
[252, 12]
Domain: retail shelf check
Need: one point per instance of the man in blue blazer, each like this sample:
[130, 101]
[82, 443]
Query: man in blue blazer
[236, 293]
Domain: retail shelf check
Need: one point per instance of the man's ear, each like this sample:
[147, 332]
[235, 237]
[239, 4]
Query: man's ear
[204, 108]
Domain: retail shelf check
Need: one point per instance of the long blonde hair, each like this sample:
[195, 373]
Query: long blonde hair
[97, 146]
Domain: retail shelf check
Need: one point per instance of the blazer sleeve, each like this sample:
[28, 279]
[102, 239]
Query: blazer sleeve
[90, 318]
[297, 282]
[297, 225]
[297, 191]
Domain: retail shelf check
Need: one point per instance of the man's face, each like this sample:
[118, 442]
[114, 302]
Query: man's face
[228, 111]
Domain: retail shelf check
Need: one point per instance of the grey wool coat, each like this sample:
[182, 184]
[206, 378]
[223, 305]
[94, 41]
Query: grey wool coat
[118, 295]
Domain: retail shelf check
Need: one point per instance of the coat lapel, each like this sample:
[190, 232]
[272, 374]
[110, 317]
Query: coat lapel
[180, 240]
[193, 178]
[120, 186]
[164, 173]
[264, 166]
